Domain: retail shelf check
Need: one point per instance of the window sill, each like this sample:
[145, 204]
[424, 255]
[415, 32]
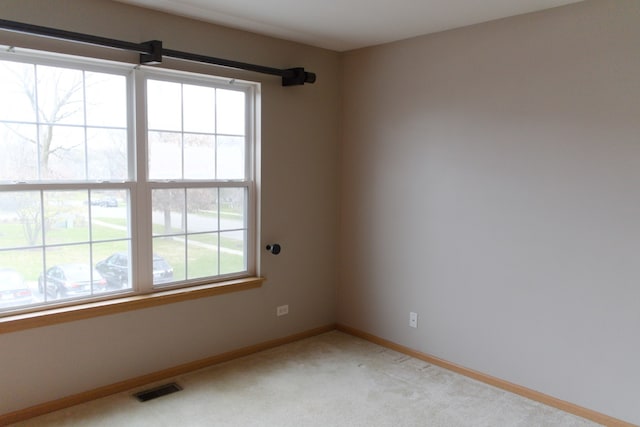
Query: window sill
[102, 308]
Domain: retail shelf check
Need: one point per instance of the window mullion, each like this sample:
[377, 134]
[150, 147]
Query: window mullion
[36, 100]
[142, 245]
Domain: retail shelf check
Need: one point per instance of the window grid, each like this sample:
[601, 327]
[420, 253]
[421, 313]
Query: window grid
[107, 206]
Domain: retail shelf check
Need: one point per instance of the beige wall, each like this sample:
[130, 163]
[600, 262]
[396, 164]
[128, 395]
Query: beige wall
[299, 210]
[490, 182]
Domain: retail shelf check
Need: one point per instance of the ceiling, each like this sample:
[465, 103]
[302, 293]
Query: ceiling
[347, 24]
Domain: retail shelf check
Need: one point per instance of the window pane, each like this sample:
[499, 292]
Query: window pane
[199, 156]
[28, 262]
[66, 215]
[232, 252]
[66, 236]
[168, 211]
[190, 152]
[233, 243]
[165, 155]
[164, 105]
[17, 90]
[162, 270]
[109, 215]
[15, 288]
[113, 262]
[231, 157]
[60, 95]
[203, 255]
[207, 252]
[106, 100]
[202, 209]
[21, 219]
[107, 154]
[168, 259]
[232, 208]
[62, 153]
[231, 111]
[199, 109]
[19, 161]
[52, 145]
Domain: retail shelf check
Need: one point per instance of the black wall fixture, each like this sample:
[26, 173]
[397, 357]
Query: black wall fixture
[152, 52]
[274, 248]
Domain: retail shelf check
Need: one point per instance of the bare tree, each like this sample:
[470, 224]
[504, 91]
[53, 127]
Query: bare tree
[64, 101]
[170, 201]
[29, 214]
[63, 104]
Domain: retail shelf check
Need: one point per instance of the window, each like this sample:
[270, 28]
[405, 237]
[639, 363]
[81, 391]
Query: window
[118, 179]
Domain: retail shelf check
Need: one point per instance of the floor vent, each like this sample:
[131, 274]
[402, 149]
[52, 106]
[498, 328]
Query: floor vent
[156, 392]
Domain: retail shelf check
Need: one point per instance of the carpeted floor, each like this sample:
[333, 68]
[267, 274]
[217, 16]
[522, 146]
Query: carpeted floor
[333, 379]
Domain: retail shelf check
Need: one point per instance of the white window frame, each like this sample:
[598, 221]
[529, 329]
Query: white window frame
[146, 185]
[139, 186]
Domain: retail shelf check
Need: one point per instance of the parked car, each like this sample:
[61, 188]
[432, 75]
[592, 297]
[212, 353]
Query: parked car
[162, 271]
[107, 202]
[115, 269]
[13, 289]
[69, 280]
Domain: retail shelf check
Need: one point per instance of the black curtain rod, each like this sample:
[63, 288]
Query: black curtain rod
[151, 52]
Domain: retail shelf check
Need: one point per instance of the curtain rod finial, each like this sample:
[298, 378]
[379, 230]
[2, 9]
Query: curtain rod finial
[297, 76]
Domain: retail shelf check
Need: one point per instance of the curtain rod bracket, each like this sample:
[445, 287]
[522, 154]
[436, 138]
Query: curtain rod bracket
[154, 56]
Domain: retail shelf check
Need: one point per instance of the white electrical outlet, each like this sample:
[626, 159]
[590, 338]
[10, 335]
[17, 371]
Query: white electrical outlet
[282, 310]
[413, 319]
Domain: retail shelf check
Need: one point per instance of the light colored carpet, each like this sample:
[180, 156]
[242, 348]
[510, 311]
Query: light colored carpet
[333, 379]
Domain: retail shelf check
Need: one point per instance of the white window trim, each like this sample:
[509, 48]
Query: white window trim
[140, 195]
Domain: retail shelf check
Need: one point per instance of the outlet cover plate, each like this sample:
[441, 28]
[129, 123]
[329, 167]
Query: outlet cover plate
[282, 310]
[413, 319]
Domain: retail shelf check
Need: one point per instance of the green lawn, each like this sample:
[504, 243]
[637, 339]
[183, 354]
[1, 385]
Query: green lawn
[201, 261]
[13, 235]
[202, 257]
